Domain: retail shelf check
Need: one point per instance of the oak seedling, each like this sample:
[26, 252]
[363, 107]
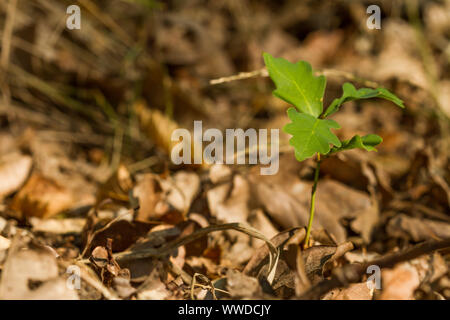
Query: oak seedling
[310, 129]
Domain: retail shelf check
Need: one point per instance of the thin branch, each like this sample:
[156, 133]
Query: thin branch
[326, 72]
[168, 248]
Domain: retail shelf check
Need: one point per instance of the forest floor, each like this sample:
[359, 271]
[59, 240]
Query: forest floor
[89, 196]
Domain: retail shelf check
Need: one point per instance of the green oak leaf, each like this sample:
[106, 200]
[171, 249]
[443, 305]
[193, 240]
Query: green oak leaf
[350, 93]
[296, 84]
[367, 142]
[310, 135]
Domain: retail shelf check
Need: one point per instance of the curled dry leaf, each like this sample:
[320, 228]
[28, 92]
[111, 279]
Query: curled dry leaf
[258, 220]
[157, 126]
[403, 226]
[355, 291]
[14, 169]
[166, 199]
[318, 257]
[430, 267]
[33, 265]
[284, 281]
[116, 187]
[229, 202]
[123, 232]
[181, 189]
[109, 270]
[261, 256]
[241, 286]
[41, 197]
[148, 191]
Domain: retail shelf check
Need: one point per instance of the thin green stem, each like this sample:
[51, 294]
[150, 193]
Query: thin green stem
[313, 201]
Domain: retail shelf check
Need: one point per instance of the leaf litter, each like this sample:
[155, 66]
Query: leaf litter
[86, 179]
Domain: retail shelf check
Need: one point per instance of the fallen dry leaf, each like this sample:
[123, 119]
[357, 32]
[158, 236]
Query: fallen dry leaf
[242, 286]
[41, 197]
[403, 226]
[122, 231]
[181, 189]
[14, 169]
[229, 202]
[355, 291]
[399, 283]
[166, 199]
[58, 226]
[38, 265]
[286, 200]
[4, 243]
[149, 194]
[219, 173]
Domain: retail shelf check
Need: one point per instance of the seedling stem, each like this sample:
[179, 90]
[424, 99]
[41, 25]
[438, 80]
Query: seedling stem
[313, 201]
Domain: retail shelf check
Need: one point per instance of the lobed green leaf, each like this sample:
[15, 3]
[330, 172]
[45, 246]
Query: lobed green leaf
[367, 142]
[296, 84]
[310, 135]
[350, 93]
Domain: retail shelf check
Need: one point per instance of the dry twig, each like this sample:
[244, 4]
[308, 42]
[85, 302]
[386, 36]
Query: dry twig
[353, 273]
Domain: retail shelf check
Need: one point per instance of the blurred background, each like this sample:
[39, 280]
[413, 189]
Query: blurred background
[83, 112]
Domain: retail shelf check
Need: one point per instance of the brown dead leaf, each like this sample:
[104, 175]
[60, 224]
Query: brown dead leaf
[116, 187]
[219, 173]
[109, 270]
[229, 202]
[14, 169]
[355, 291]
[318, 257]
[157, 126]
[157, 237]
[149, 194]
[166, 199]
[399, 283]
[4, 243]
[430, 267]
[403, 226]
[241, 286]
[33, 265]
[286, 200]
[58, 226]
[397, 58]
[260, 257]
[153, 288]
[123, 232]
[41, 197]
[181, 189]
[258, 220]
